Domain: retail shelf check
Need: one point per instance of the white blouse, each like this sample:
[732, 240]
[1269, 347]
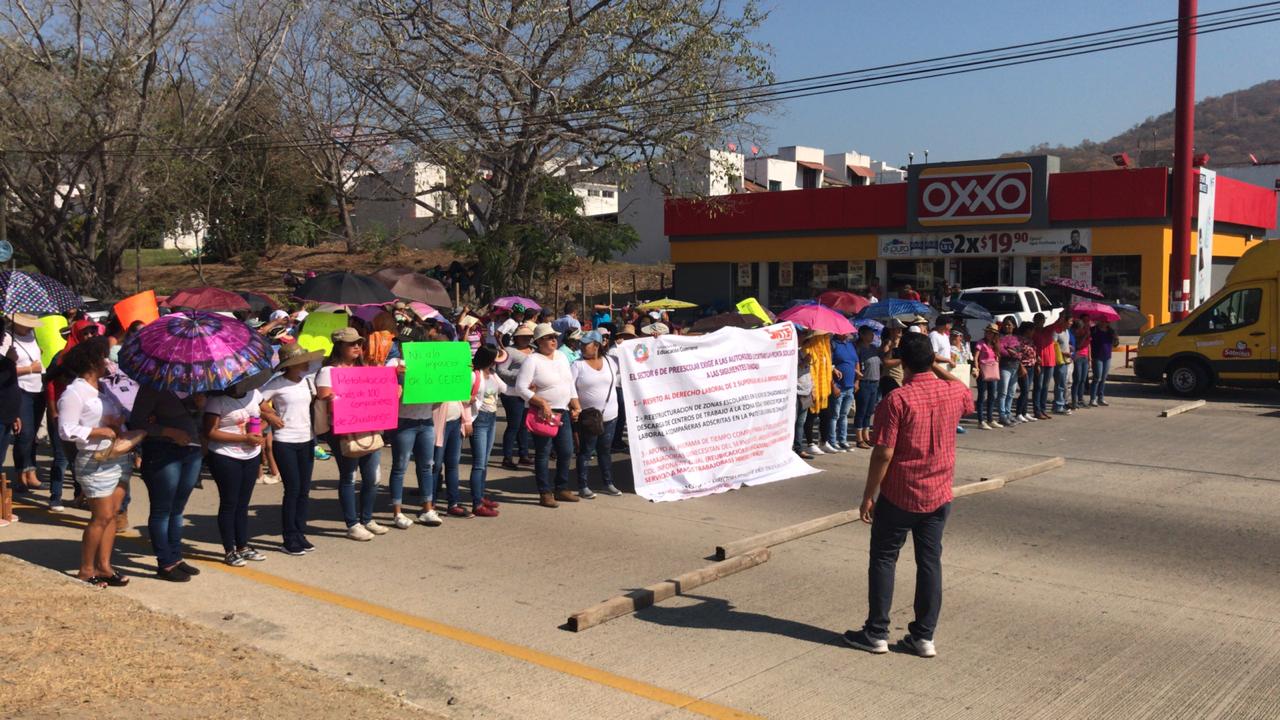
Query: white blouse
[81, 410]
[551, 377]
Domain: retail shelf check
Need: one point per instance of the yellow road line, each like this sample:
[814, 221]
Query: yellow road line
[477, 640]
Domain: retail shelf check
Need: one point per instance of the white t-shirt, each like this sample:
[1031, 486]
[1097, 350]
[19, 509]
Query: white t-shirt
[81, 409]
[594, 386]
[233, 414]
[941, 344]
[292, 401]
[417, 411]
[552, 378]
[26, 351]
[487, 393]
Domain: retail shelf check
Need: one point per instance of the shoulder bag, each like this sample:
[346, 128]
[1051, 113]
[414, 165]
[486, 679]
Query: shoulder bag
[591, 420]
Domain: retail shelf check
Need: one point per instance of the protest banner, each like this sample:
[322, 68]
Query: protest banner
[436, 372]
[365, 399]
[49, 337]
[317, 328]
[711, 413]
[137, 307]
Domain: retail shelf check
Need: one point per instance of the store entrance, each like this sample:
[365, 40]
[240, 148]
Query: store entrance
[978, 272]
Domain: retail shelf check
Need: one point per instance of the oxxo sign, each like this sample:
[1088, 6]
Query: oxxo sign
[987, 193]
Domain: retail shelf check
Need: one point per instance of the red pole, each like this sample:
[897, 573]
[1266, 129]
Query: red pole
[1184, 191]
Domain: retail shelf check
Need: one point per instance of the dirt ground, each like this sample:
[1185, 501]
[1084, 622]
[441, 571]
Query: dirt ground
[70, 651]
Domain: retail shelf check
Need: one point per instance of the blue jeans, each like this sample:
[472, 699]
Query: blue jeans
[416, 439]
[1079, 379]
[1100, 370]
[347, 467]
[838, 422]
[515, 433]
[295, 462]
[563, 441]
[620, 425]
[986, 400]
[169, 472]
[865, 408]
[236, 479]
[888, 533]
[802, 415]
[1024, 394]
[602, 446]
[1008, 380]
[449, 457]
[1060, 373]
[1042, 376]
[484, 431]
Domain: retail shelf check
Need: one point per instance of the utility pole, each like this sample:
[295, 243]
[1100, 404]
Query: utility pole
[1184, 190]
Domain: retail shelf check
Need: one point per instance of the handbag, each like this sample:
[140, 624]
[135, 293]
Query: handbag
[319, 411]
[989, 371]
[534, 423]
[591, 420]
[354, 445]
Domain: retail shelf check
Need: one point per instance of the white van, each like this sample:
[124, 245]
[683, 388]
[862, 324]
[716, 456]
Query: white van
[1023, 303]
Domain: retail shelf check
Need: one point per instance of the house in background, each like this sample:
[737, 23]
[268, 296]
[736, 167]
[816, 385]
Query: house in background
[643, 195]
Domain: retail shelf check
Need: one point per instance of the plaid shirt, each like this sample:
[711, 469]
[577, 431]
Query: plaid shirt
[919, 422]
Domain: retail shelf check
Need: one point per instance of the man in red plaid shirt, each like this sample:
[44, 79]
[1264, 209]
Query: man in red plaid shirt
[912, 468]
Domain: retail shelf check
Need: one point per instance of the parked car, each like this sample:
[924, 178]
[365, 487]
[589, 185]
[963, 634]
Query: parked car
[1021, 302]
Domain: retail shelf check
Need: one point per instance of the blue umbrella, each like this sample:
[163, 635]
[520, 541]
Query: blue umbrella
[36, 294]
[971, 310]
[894, 307]
[876, 326]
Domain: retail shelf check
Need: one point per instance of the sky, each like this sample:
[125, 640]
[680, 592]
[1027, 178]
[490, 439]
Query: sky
[984, 114]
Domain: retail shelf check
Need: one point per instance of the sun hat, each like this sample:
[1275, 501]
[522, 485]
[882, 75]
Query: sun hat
[26, 320]
[627, 331]
[592, 337]
[291, 355]
[346, 334]
[574, 335]
[277, 315]
[655, 329]
[896, 324]
[543, 330]
[523, 331]
[916, 320]
[992, 327]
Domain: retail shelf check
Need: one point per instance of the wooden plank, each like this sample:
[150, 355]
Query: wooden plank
[781, 535]
[1179, 409]
[644, 597]
[1028, 471]
[977, 487]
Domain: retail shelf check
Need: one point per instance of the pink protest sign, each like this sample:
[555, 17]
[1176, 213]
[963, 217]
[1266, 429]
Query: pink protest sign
[365, 399]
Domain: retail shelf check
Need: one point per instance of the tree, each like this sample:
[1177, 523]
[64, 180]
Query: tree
[502, 94]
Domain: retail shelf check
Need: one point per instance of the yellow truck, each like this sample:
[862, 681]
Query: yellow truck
[1231, 339]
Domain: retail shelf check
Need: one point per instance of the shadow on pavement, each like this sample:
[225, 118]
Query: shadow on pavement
[718, 614]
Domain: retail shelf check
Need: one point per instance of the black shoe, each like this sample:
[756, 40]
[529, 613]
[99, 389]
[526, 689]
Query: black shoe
[189, 569]
[307, 546]
[860, 640]
[173, 574]
[293, 551]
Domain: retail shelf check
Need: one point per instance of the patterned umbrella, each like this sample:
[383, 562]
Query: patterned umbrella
[194, 352]
[208, 298]
[894, 307]
[845, 302]
[36, 294]
[506, 303]
[1077, 287]
[817, 317]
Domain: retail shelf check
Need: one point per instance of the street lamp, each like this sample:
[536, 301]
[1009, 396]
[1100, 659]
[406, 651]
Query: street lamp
[926, 157]
[911, 157]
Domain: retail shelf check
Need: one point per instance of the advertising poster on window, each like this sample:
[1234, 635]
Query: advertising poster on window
[992, 243]
[1082, 269]
[744, 275]
[857, 276]
[924, 274]
[710, 413]
[786, 274]
[1050, 268]
[819, 275]
[1204, 238]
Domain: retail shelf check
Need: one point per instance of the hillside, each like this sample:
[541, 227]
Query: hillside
[1228, 127]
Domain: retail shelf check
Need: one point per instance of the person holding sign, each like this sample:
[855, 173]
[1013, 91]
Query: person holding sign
[348, 351]
[486, 388]
[546, 384]
[286, 406]
[233, 426]
[596, 379]
[414, 437]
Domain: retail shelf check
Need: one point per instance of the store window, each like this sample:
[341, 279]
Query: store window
[924, 276]
[1119, 277]
[745, 281]
[805, 280]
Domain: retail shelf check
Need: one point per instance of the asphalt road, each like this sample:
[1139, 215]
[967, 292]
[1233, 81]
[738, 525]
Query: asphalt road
[1138, 581]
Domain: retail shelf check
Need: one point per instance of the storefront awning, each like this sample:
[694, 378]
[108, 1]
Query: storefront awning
[813, 165]
[861, 171]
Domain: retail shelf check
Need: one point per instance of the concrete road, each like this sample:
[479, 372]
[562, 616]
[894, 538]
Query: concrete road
[1141, 580]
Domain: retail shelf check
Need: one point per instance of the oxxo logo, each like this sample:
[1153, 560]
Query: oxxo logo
[967, 195]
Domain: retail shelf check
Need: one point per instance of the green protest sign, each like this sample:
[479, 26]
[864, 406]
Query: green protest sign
[436, 372]
[317, 328]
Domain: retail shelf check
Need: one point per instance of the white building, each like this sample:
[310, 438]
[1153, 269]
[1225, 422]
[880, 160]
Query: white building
[793, 168]
[406, 203]
[641, 200]
[853, 168]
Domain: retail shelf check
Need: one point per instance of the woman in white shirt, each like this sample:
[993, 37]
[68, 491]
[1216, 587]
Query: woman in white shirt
[233, 426]
[515, 436]
[595, 377]
[348, 351]
[21, 347]
[546, 384]
[92, 421]
[286, 407]
[486, 388]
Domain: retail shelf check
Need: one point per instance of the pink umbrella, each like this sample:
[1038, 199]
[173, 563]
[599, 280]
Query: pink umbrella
[506, 303]
[1095, 311]
[1077, 287]
[194, 352]
[207, 298]
[817, 317]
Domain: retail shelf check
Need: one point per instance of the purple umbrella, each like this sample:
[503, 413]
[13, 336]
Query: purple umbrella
[506, 303]
[194, 352]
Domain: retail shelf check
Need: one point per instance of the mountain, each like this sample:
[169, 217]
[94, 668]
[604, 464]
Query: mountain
[1228, 127]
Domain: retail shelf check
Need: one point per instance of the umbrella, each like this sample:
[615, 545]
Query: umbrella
[971, 310]
[194, 351]
[726, 319]
[666, 304]
[893, 307]
[206, 298]
[258, 302]
[411, 285]
[507, 302]
[1095, 311]
[1130, 314]
[368, 312]
[846, 302]
[36, 294]
[1077, 287]
[344, 288]
[817, 317]
[876, 327]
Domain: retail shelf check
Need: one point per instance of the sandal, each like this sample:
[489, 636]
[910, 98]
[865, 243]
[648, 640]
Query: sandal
[95, 581]
[116, 580]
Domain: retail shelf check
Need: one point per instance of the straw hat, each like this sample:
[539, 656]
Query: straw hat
[291, 355]
[627, 331]
[655, 329]
[346, 334]
[523, 331]
[993, 327]
[543, 330]
[26, 320]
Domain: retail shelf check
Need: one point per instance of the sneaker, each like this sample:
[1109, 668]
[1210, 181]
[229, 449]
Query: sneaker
[491, 503]
[995, 424]
[402, 521]
[173, 574]
[62, 508]
[269, 480]
[322, 454]
[459, 512]
[923, 648]
[251, 554]
[233, 559]
[1104, 403]
[828, 448]
[430, 518]
[960, 430]
[293, 551]
[373, 527]
[611, 490]
[484, 511]
[860, 640]
[983, 425]
[814, 450]
[307, 546]
[1028, 418]
[188, 568]
[586, 494]
[1093, 403]
[359, 533]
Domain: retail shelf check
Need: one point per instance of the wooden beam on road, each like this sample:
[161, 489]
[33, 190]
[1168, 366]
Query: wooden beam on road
[786, 534]
[977, 487]
[1028, 471]
[1179, 409]
[644, 597]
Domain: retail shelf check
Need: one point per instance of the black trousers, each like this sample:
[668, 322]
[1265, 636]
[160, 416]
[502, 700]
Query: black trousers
[888, 533]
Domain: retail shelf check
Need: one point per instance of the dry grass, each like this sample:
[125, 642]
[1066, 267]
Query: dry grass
[70, 651]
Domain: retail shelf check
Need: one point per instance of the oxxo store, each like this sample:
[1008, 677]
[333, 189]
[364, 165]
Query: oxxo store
[1007, 221]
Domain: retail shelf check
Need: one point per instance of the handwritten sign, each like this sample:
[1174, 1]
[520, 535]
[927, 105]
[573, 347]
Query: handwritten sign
[49, 337]
[436, 372]
[366, 399]
[137, 307]
[317, 328]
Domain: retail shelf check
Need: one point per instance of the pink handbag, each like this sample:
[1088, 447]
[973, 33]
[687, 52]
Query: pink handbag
[534, 423]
